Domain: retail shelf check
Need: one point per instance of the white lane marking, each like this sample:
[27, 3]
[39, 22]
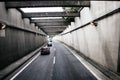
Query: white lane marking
[99, 75]
[54, 49]
[88, 67]
[54, 60]
[24, 67]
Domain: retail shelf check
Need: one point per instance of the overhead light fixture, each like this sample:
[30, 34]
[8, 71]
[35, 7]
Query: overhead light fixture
[48, 18]
[42, 9]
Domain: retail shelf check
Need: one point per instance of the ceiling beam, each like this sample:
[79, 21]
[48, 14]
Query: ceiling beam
[52, 24]
[48, 31]
[22, 4]
[51, 14]
[54, 33]
[47, 20]
[52, 28]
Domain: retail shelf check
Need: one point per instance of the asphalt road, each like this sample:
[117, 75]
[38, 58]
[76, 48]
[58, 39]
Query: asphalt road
[59, 65]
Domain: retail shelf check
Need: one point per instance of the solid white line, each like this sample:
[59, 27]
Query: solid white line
[54, 60]
[88, 67]
[24, 67]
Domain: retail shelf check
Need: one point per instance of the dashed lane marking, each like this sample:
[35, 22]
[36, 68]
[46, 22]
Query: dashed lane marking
[54, 60]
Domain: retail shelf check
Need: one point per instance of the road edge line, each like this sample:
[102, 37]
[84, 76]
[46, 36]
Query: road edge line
[97, 73]
[24, 67]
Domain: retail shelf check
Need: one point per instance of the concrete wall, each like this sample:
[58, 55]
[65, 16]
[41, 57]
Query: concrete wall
[20, 36]
[101, 43]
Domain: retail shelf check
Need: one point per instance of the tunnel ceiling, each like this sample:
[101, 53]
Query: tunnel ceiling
[49, 26]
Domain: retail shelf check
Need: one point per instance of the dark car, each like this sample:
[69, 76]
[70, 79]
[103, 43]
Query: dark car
[45, 50]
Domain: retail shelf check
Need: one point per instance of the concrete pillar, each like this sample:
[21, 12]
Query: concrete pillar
[85, 15]
[3, 13]
[68, 29]
[15, 18]
[26, 23]
[32, 26]
[77, 22]
[72, 25]
[70, 36]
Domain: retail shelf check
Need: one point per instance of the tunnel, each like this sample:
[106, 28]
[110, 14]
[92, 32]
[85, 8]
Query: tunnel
[84, 36]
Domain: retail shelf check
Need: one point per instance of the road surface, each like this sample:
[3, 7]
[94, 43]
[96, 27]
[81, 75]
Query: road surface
[59, 65]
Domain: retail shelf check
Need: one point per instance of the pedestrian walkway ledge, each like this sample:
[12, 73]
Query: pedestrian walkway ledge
[100, 72]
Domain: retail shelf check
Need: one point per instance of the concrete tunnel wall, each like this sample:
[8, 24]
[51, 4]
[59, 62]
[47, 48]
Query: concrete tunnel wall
[101, 43]
[21, 36]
